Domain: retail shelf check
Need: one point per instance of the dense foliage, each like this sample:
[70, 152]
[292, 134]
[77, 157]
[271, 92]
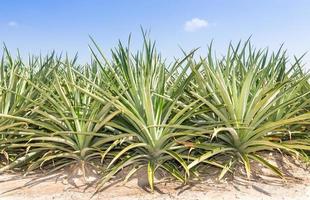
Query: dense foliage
[136, 112]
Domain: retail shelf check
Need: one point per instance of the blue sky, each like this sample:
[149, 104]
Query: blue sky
[41, 26]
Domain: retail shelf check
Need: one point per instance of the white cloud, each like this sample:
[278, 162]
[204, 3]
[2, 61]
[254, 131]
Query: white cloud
[195, 24]
[13, 24]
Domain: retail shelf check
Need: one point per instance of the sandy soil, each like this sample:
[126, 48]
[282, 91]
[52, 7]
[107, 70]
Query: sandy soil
[57, 186]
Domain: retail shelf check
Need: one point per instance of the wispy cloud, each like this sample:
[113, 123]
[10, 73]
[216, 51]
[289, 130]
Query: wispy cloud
[12, 24]
[195, 24]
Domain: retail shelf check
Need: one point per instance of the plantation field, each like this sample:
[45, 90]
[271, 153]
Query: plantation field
[56, 186]
[225, 118]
